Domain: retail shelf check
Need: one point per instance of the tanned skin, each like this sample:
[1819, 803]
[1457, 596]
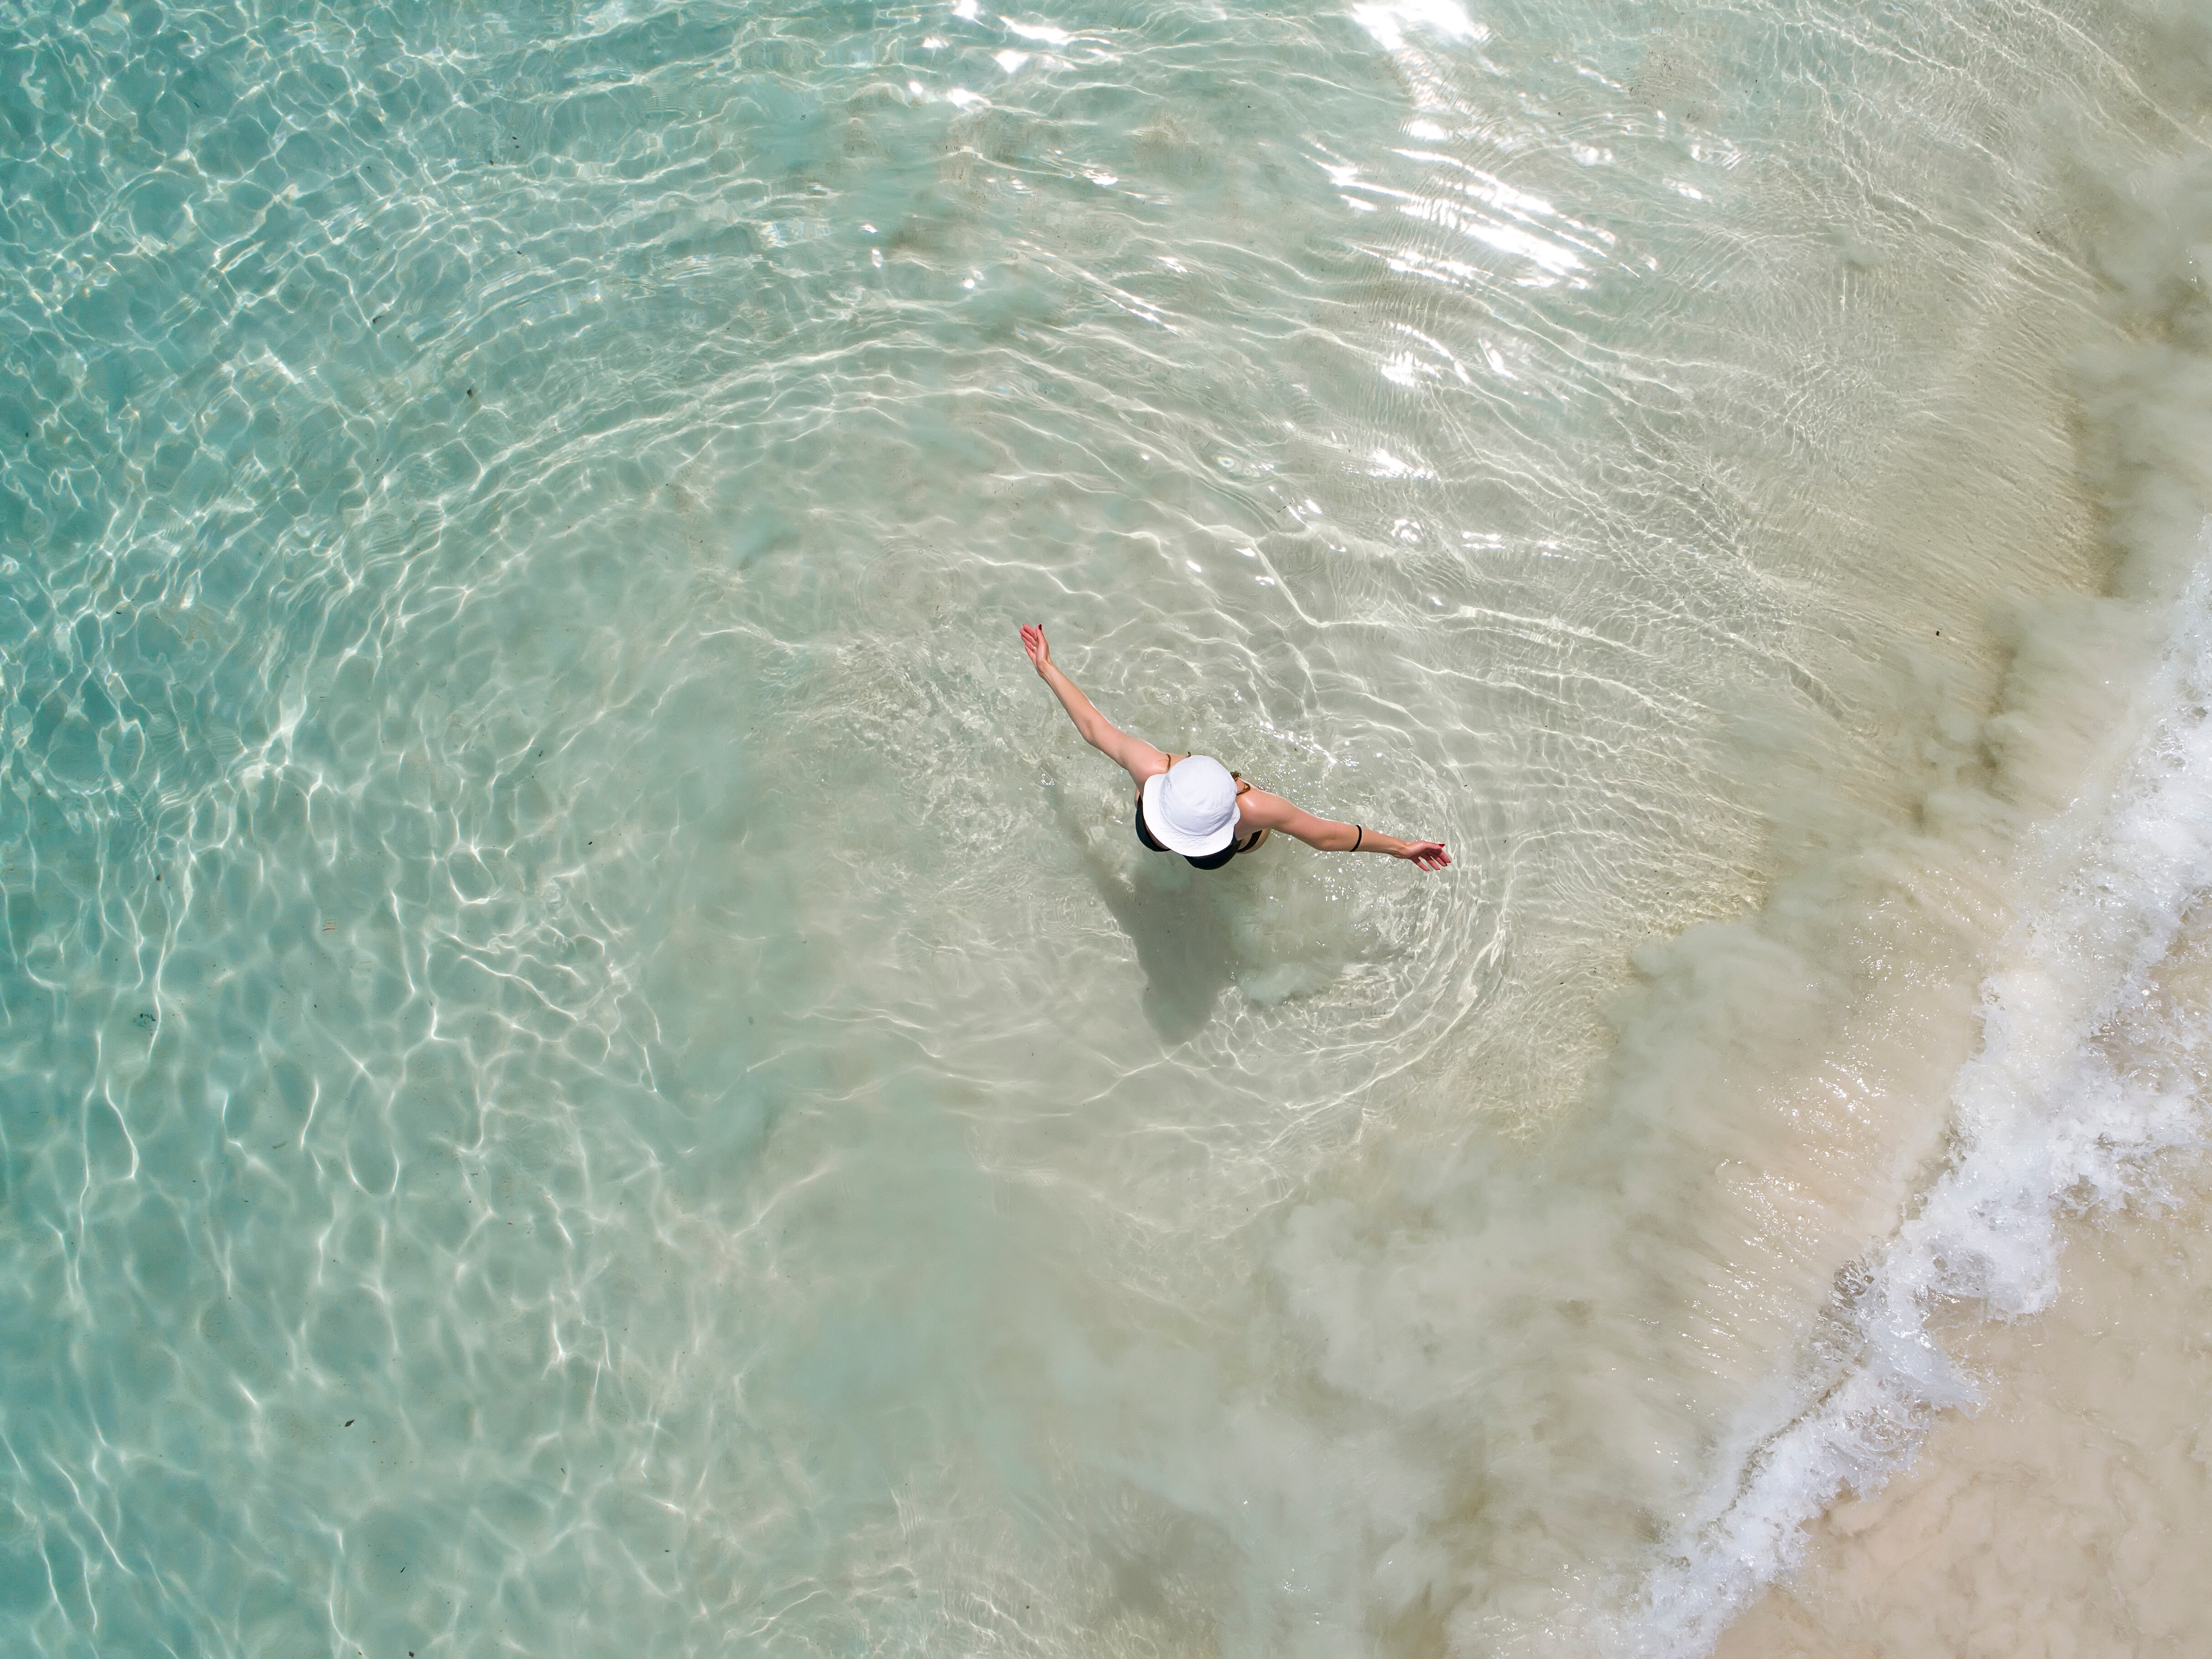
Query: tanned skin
[1256, 809]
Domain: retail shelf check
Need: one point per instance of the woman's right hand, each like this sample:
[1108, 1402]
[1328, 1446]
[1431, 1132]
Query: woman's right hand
[1033, 643]
[1425, 855]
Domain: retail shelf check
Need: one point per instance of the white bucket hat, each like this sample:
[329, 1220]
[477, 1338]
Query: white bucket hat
[1191, 808]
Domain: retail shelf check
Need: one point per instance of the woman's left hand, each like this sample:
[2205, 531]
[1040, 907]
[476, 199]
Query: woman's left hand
[1033, 643]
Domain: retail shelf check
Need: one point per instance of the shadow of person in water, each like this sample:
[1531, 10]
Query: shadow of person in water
[1176, 924]
[1193, 805]
[1182, 945]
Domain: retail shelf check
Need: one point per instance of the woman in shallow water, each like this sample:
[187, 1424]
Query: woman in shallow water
[1193, 805]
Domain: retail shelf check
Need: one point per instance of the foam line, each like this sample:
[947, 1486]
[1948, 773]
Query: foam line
[2041, 1122]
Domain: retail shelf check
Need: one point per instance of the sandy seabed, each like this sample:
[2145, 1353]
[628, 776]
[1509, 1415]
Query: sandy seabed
[2072, 1514]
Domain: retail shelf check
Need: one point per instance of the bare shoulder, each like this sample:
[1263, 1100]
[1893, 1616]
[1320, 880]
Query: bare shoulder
[1257, 806]
[1141, 759]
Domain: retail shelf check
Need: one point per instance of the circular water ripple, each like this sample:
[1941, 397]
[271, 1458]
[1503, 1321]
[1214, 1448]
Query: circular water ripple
[590, 1064]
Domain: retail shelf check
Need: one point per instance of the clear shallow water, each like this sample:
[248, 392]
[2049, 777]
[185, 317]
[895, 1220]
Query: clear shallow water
[590, 1066]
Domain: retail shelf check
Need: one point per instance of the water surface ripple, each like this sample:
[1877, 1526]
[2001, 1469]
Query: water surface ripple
[589, 1067]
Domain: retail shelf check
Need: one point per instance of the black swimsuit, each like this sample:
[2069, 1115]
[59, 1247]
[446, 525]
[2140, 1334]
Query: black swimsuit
[1213, 860]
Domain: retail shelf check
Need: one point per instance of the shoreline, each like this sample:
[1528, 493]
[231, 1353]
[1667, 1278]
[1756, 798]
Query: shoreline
[2068, 1515]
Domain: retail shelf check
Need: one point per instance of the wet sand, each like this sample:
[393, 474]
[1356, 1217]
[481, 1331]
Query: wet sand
[2072, 1516]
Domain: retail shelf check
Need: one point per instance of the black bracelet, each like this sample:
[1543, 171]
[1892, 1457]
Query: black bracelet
[1357, 839]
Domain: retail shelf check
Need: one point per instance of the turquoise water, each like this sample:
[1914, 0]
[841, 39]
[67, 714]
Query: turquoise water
[591, 1068]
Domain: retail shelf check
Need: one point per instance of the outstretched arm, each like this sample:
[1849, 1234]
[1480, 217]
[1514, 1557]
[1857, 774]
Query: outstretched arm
[1326, 835]
[1134, 755]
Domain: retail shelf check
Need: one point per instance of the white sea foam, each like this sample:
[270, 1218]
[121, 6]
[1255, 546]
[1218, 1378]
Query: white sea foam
[2110, 703]
[580, 1029]
[2042, 1121]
